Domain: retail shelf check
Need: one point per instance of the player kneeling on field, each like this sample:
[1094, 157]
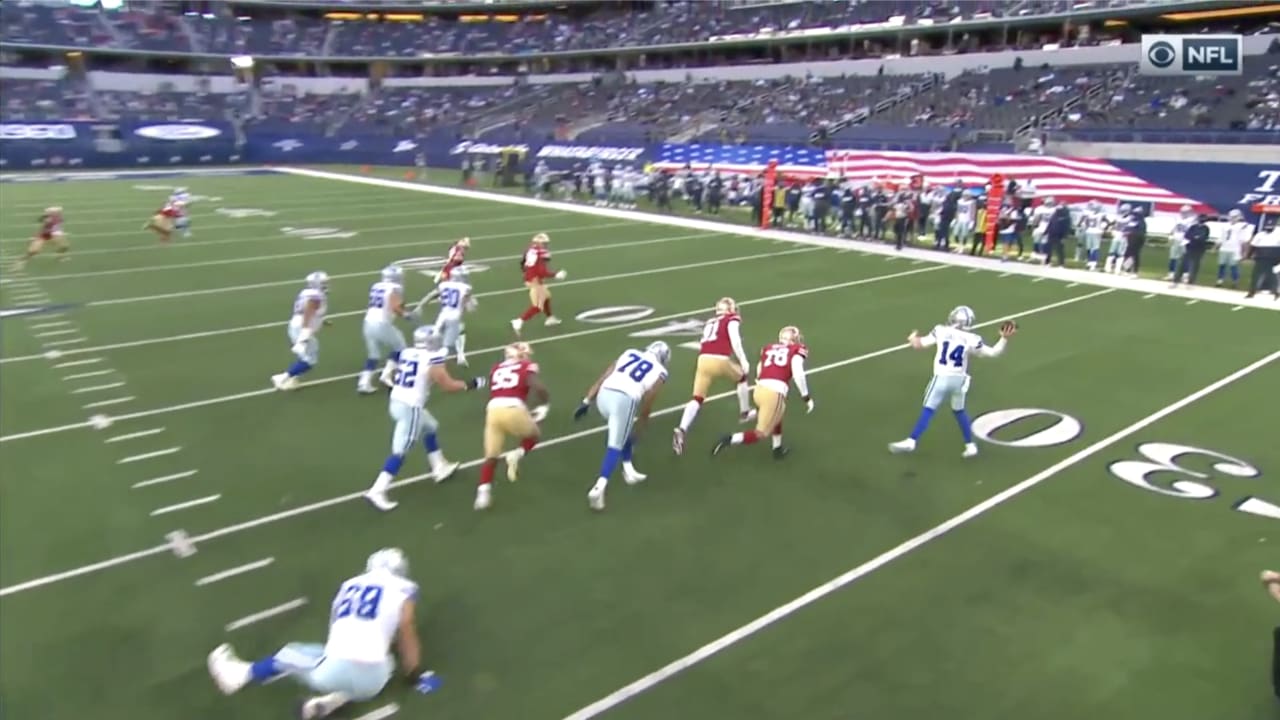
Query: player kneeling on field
[780, 364]
[370, 612]
[624, 395]
[508, 415]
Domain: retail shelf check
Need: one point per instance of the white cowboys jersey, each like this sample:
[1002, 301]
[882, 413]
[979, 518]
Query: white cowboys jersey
[964, 209]
[305, 296]
[411, 385]
[635, 373]
[365, 616]
[1092, 221]
[1180, 228]
[453, 297]
[954, 348]
[380, 301]
[1235, 235]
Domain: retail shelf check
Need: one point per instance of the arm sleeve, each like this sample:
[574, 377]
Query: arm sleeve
[797, 374]
[985, 350]
[735, 340]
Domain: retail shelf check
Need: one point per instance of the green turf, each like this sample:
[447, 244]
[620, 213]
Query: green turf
[1083, 596]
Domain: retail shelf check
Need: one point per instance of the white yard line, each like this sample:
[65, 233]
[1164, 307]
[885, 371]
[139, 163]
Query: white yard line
[696, 312]
[135, 435]
[361, 312]
[53, 323]
[381, 713]
[232, 572]
[165, 478]
[733, 637]
[268, 613]
[147, 456]
[97, 388]
[94, 373]
[68, 341]
[184, 505]
[545, 443]
[55, 333]
[107, 403]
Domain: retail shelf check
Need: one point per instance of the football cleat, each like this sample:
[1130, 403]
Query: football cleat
[595, 498]
[552, 320]
[724, 442]
[631, 475]
[748, 416]
[516, 324]
[902, 446]
[229, 672]
[443, 472]
[380, 501]
[283, 382]
[513, 464]
[677, 441]
[484, 497]
[970, 450]
[780, 452]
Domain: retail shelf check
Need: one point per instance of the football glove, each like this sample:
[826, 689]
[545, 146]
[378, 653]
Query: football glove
[582, 410]
[561, 274]
[540, 413]
[427, 682]
[808, 403]
[477, 383]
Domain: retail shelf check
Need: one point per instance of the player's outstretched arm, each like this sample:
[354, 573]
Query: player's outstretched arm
[585, 406]
[407, 643]
[646, 405]
[441, 378]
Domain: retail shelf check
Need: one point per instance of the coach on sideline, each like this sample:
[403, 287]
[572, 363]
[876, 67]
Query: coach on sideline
[1266, 256]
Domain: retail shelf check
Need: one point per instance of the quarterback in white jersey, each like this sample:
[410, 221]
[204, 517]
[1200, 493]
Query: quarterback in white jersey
[455, 297]
[1237, 233]
[955, 344]
[624, 395]
[308, 317]
[420, 367]
[381, 336]
[371, 612]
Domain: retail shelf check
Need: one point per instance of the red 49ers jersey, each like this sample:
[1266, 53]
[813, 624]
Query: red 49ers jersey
[50, 224]
[456, 255]
[775, 361]
[716, 337]
[169, 211]
[536, 263]
[510, 379]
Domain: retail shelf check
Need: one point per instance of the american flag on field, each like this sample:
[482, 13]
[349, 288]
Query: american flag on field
[1071, 180]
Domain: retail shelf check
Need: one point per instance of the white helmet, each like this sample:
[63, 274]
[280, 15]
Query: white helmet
[179, 190]
[1185, 210]
[460, 274]
[1094, 205]
[660, 350]
[393, 273]
[318, 280]
[790, 335]
[962, 317]
[726, 306]
[1125, 209]
[517, 351]
[390, 560]
[427, 338]
[1234, 214]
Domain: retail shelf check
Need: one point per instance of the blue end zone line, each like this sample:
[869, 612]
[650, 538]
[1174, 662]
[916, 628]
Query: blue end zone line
[1081, 277]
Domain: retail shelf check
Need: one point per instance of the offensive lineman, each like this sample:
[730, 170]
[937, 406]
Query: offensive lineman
[780, 364]
[308, 317]
[721, 347]
[507, 414]
[386, 305]
[371, 611]
[420, 367]
[536, 268]
[624, 395]
[956, 344]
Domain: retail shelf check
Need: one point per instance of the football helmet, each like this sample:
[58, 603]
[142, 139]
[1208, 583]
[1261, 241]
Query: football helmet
[961, 317]
[318, 280]
[541, 239]
[1185, 210]
[1235, 215]
[790, 335]
[391, 560]
[465, 242]
[1050, 201]
[427, 338]
[1125, 209]
[660, 350]
[1094, 206]
[517, 351]
[393, 273]
[726, 306]
[53, 210]
[461, 275]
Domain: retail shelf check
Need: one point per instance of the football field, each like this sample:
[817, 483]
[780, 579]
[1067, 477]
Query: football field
[157, 496]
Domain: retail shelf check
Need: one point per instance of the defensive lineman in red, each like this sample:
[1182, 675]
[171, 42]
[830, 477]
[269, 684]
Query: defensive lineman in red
[535, 265]
[457, 255]
[721, 356]
[511, 382]
[50, 232]
[781, 363]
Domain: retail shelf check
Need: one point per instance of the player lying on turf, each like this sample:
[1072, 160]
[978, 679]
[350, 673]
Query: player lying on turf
[50, 232]
[624, 395]
[370, 612]
[419, 368]
[535, 265]
[955, 345]
[308, 317]
[721, 356]
[780, 364]
[381, 336]
[511, 382]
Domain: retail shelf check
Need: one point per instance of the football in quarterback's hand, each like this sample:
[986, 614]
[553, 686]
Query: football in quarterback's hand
[1008, 327]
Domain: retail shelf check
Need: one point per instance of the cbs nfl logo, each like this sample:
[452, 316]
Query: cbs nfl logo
[1192, 55]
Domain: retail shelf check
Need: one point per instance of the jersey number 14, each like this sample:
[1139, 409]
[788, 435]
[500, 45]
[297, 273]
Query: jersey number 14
[956, 355]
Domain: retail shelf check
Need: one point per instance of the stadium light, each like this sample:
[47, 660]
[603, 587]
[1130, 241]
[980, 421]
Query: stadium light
[242, 62]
